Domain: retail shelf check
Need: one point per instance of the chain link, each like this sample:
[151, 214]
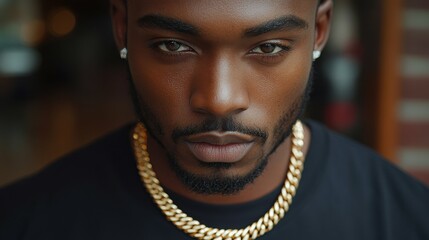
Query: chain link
[200, 231]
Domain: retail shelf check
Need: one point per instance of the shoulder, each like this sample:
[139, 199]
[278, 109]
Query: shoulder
[81, 162]
[371, 190]
[66, 182]
[357, 161]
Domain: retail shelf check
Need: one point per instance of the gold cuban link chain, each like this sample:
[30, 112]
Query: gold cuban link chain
[200, 231]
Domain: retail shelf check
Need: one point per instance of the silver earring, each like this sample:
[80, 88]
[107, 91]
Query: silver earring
[123, 53]
[316, 54]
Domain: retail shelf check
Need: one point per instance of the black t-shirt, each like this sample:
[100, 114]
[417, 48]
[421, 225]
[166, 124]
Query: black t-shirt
[346, 192]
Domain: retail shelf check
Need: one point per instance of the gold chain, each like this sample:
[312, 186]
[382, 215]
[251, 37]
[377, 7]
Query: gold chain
[200, 231]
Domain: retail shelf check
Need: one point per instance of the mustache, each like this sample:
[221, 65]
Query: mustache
[219, 124]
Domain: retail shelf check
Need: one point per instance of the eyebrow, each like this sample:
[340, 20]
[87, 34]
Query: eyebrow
[288, 22]
[167, 23]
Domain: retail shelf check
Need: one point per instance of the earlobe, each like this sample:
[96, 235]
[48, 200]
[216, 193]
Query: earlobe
[118, 13]
[323, 24]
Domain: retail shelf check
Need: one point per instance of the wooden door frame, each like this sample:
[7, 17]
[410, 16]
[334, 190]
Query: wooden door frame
[386, 128]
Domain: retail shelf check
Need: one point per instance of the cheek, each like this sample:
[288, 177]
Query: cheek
[277, 89]
[162, 88]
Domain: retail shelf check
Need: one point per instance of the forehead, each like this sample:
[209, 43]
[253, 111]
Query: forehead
[224, 14]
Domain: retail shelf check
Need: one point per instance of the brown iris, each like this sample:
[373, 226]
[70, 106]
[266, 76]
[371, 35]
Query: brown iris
[267, 47]
[172, 45]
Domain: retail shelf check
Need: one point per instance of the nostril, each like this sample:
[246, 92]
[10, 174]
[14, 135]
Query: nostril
[219, 106]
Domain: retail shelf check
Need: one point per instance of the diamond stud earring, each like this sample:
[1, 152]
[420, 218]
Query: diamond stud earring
[123, 53]
[316, 54]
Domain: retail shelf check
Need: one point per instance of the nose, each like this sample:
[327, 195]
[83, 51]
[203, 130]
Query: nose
[219, 89]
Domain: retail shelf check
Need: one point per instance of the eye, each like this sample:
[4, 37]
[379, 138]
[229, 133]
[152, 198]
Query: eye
[173, 46]
[269, 48]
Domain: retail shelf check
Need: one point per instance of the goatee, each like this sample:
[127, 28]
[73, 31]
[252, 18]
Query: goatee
[216, 183]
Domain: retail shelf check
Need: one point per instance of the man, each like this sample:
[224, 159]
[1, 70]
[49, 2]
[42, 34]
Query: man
[219, 152]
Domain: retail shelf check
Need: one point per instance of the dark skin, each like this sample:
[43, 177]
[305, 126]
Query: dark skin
[194, 60]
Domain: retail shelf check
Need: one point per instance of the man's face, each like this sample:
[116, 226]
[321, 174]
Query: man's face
[220, 83]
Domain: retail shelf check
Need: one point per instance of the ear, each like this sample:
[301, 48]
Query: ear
[118, 13]
[323, 24]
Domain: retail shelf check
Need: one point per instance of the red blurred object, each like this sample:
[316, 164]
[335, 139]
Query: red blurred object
[341, 116]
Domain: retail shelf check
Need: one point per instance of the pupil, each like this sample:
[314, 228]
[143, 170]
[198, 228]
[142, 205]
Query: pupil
[267, 48]
[172, 45]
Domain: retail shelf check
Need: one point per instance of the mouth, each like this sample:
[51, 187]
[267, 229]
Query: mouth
[225, 147]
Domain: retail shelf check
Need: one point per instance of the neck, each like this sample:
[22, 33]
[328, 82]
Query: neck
[273, 175]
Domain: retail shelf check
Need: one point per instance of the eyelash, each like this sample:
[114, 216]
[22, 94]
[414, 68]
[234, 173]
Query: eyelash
[271, 57]
[280, 52]
[157, 47]
[280, 47]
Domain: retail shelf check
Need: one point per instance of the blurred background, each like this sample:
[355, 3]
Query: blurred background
[62, 84]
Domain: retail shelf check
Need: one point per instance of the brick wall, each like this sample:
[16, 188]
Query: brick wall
[413, 109]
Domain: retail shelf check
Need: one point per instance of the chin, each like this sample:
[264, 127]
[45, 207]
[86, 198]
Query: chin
[218, 177]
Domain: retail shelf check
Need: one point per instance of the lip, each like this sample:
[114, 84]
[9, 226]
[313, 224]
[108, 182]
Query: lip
[226, 147]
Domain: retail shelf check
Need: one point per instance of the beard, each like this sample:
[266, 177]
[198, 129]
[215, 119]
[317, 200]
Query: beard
[216, 182]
